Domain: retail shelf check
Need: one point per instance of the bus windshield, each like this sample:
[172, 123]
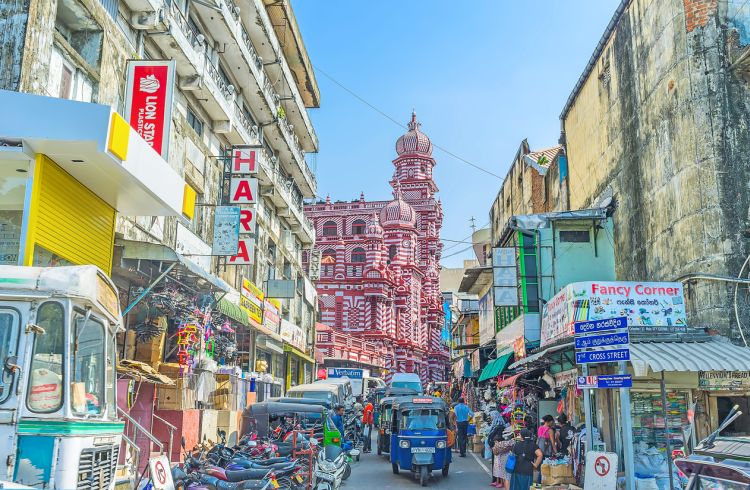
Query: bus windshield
[422, 419]
[87, 367]
[8, 343]
[414, 385]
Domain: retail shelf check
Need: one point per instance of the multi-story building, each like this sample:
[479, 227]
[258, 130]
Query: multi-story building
[657, 122]
[95, 192]
[380, 261]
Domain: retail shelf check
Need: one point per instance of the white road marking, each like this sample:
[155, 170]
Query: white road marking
[481, 463]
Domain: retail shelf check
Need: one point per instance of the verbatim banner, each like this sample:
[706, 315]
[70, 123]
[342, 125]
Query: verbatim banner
[148, 101]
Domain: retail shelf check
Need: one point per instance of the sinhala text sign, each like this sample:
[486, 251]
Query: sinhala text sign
[649, 307]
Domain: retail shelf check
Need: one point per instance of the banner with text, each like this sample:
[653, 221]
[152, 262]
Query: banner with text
[148, 101]
[649, 307]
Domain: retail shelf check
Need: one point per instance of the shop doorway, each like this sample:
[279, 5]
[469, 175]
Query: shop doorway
[741, 425]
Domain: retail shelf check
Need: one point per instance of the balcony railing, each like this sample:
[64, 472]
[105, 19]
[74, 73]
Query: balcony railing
[213, 72]
[245, 123]
[183, 25]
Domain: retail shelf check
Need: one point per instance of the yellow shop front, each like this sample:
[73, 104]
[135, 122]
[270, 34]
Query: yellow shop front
[69, 167]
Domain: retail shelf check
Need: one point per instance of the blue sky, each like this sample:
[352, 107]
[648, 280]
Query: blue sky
[482, 75]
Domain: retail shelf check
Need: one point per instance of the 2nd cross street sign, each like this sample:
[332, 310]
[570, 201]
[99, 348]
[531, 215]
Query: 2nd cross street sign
[605, 340]
[614, 355]
[584, 328]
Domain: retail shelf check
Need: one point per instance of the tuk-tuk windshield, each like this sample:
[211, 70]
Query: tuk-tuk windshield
[709, 483]
[412, 385]
[422, 419]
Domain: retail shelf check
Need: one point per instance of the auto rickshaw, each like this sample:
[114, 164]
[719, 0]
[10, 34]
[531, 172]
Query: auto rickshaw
[719, 462]
[419, 439]
[381, 393]
[384, 433]
[263, 417]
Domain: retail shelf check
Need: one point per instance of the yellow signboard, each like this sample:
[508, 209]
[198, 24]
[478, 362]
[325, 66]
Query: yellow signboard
[251, 300]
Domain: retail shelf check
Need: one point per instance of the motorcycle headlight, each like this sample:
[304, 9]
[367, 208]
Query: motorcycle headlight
[440, 444]
[403, 444]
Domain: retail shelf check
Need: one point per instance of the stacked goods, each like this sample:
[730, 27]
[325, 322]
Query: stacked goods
[557, 472]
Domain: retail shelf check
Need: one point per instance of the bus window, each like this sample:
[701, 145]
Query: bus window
[45, 373]
[8, 344]
[87, 367]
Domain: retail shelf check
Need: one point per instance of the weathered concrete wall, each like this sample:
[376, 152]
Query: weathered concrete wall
[14, 16]
[661, 123]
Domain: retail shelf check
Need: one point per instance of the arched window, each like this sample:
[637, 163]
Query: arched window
[359, 255]
[358, 227]
[330, 229]
[392, 252]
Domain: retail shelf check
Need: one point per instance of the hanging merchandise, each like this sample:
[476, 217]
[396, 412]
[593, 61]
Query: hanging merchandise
[225, 349]
[150, 328]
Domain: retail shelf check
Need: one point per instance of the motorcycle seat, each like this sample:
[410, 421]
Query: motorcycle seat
[270, 461]
[218, 484]
[248, 474]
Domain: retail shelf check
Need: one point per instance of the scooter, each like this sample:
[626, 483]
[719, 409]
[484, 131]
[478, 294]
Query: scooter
[331, 468]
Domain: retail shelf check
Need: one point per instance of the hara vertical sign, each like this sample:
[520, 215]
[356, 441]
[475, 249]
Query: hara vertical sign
[148, 101]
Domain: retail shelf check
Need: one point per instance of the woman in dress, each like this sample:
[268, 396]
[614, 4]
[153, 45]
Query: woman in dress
[528, 458]
[501, 450]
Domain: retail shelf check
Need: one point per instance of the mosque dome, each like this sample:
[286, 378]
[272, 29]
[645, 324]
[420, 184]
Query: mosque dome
[414, 141]
[398, 212]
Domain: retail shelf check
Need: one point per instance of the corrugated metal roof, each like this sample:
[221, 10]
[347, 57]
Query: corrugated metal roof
[533, 357]
[688, 356]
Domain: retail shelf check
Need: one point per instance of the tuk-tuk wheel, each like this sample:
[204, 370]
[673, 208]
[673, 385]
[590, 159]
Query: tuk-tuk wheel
[395, 468]
[423, 475]
[445, 469]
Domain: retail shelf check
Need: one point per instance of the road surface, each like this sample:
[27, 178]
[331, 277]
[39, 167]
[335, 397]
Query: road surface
[373, 471]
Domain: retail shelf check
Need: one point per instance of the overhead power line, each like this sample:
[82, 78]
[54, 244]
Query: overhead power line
[394, 121]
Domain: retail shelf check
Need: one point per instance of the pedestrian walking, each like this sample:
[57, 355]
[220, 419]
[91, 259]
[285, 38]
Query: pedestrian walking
[368, 418]
[528, 458]
[500, 451]
[494, 433]
[463, 414]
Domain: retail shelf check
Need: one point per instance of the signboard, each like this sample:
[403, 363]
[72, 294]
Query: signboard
[600, 325]
[161, 473]
[243, 190]
[226, 230]
[649, 307]
[148, 101]
[585, 382]
[251, 300]
[350, 373]
[314, 268]
[292, 334]
[596, 356]
[605, 381]
[271, 316]
[486, 319]
[606, 340]
[245, 252]
[505, 276]
[248, 220]
[245, 159]
[565, 378]
[601, 471]
[724, 380]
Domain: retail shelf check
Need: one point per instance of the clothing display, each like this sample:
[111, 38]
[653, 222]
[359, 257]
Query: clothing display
[648, 419]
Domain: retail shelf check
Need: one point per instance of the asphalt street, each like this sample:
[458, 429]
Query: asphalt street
[373, 471]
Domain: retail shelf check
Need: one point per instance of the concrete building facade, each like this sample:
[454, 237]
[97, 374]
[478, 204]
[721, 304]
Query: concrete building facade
[658, 123]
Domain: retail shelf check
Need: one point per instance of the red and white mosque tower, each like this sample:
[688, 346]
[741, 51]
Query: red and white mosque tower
[380, 265]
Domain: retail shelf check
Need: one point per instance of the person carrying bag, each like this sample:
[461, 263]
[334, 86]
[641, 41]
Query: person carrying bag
[523, 460]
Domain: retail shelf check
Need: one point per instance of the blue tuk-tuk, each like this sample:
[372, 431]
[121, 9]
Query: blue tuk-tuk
[388, 391]
[385, 409]
[419, 440]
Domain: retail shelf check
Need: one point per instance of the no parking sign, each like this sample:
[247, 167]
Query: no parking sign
[161, 473]
[601, 471]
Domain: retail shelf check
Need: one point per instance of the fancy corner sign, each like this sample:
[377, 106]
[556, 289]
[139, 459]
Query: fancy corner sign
[148, 101]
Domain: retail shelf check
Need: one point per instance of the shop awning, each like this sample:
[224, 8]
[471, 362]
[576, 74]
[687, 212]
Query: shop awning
[688, 357]
[298, 353]
[539, 355]
[511, 380]
[233, 311]
[476, 280]
[185, 270]
[495, 367]
[97, 147]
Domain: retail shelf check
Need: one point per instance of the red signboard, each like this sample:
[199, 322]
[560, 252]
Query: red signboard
[245, 160]
[148, 101]
[247, 220]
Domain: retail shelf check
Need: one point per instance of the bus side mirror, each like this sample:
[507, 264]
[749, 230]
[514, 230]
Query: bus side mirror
[11, 364]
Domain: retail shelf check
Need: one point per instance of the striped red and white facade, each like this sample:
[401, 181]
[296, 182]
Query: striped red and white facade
[379, 276]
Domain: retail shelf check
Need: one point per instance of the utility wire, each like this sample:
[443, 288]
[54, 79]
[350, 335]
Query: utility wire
[394, 121]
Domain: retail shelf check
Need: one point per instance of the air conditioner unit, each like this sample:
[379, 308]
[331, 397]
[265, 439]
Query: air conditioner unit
[236, 11]
[230, 89]
[199, 40]
[148, 21]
